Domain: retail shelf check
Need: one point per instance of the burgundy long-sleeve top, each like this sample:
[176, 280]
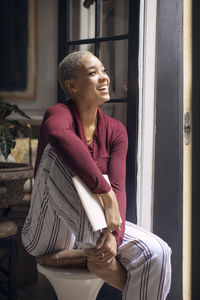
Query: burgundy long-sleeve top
[62, 128]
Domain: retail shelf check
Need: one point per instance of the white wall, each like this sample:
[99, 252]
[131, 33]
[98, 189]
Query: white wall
[47, 44]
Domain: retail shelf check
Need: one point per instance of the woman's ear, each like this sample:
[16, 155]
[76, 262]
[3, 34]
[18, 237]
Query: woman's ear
[71, 86]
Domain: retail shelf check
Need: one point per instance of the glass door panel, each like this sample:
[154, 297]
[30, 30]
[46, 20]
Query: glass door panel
[114, 17]
[82, 21]
[114, 56]
[116, 110]
[85, 47]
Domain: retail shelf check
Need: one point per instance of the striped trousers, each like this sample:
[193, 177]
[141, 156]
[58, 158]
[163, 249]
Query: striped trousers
[57, 221]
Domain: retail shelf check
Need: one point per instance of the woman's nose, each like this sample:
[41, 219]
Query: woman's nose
[104, 76]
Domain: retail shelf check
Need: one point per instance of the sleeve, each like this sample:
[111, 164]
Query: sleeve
[59, 133]
[117, 174]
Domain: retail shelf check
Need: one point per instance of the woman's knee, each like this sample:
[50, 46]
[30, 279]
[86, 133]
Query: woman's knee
[160, 255]
[140, 251]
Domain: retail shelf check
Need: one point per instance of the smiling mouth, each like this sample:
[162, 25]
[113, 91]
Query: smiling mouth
[103, 89]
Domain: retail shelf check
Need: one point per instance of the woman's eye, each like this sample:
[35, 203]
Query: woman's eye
[92, 73]
[104, 70]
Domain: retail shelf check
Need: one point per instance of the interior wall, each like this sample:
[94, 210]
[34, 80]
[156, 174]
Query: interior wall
[47, 41]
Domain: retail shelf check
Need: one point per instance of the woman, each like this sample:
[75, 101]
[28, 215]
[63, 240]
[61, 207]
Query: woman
[77, 138]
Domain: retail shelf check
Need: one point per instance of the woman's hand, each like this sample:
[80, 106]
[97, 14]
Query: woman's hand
[111, 210]
[105, 250]
[102, 261]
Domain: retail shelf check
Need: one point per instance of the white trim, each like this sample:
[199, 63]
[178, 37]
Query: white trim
[146, 126]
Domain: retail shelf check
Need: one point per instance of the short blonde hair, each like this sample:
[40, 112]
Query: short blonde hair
[69, 66]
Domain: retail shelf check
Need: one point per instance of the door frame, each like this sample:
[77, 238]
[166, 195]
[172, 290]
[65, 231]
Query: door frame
[168, 172]
[195, 151]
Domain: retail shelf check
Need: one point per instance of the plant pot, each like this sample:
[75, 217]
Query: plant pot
[12, 179]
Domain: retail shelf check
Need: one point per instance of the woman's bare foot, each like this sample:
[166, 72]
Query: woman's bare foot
[113, 273]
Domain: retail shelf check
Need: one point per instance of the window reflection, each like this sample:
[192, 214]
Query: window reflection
[85, 47]
[82, 20]
[116, 110]
[114, 17]
[114, 56]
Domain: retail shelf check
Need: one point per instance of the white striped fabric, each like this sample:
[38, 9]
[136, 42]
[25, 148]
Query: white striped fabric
[147, 259]
[57, 221]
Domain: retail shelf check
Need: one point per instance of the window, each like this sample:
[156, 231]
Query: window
[110, 30]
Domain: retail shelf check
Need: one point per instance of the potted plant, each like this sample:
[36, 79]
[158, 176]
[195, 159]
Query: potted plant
[12, 175]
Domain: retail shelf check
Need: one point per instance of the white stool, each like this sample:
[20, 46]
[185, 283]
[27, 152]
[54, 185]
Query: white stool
[72, 283]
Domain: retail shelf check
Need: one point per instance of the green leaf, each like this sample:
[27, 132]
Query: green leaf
[9, 128]
[19, 111]
[6, 141]
[6, 109]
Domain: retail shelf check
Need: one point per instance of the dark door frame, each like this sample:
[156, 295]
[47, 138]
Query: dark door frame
[168, 186]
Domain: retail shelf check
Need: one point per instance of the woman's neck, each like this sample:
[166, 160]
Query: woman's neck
[88, 114]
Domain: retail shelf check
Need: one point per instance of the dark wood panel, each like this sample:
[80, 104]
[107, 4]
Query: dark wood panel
[168, 197]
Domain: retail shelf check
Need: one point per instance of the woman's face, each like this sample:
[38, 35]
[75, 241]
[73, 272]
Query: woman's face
[92, 82]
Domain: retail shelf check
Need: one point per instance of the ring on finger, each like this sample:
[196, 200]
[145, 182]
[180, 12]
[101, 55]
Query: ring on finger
[102, 254]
